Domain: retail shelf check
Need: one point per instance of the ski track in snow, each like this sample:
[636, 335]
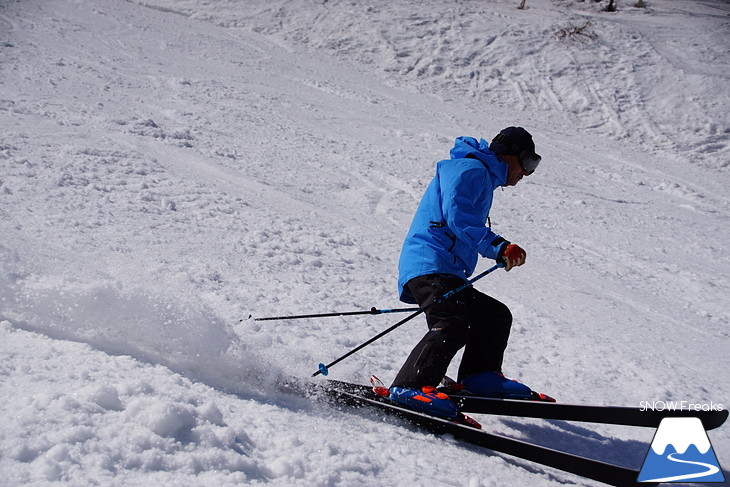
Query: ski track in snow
[169, 168]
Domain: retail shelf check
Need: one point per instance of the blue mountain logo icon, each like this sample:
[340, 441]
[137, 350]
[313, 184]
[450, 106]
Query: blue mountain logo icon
[681, 452]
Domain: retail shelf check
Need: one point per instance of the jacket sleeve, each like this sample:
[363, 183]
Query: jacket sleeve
[466, 198]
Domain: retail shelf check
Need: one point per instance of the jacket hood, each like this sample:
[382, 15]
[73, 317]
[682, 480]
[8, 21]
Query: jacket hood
[465, 146]
[469, 145]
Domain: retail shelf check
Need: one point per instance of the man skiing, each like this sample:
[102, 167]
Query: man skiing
[448, 233]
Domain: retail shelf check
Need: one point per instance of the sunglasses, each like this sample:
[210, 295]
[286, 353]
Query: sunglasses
[528, 161]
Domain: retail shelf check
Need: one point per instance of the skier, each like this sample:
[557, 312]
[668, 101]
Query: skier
[448, 233]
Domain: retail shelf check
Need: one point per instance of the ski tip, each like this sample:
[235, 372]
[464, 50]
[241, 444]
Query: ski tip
[323, 369]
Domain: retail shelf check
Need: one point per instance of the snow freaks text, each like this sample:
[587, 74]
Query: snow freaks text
[679, 406]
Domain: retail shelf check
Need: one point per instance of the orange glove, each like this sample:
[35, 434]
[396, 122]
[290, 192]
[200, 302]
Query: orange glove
[513, 256]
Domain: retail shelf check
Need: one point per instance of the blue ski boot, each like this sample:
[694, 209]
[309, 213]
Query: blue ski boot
[426, 400]
[494, 384]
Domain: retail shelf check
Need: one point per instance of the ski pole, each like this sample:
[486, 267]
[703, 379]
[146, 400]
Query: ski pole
[371, 311]
[324, 369]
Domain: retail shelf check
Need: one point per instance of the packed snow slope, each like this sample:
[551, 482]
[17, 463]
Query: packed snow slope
[170, 167]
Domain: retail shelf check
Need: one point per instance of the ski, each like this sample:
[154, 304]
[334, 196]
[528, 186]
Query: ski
[619, 415]
[579, 465]
[358, 395]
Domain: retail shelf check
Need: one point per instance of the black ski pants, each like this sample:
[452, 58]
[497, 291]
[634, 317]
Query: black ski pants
[468, 319]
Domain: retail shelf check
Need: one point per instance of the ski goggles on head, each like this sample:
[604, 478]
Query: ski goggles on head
[528, 161]
[527, 158]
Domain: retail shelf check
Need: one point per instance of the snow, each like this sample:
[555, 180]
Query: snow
[169, 168]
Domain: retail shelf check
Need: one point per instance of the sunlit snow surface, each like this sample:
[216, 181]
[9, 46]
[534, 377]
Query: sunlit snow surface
[169, 168]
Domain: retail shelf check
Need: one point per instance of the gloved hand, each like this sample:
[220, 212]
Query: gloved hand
[513, 256]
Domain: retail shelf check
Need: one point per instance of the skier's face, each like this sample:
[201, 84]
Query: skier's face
[515, 171]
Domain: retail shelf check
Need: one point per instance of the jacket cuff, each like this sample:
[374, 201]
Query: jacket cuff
[499, 245]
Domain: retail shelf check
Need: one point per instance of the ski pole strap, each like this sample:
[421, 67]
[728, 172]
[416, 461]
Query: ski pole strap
[324, 369]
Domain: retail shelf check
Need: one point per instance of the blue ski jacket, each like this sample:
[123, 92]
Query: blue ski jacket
[449, 230]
